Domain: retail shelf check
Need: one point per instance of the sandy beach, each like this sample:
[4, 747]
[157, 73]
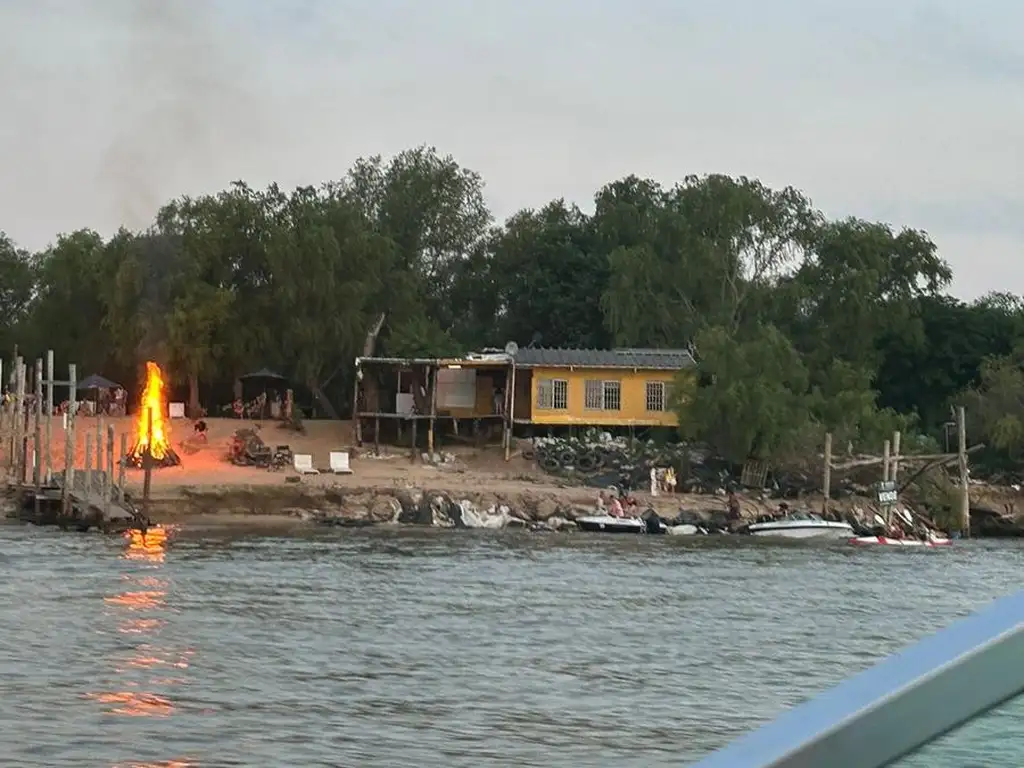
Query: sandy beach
[207, 484]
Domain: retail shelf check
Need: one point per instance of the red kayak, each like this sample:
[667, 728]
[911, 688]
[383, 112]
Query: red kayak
[885, 540]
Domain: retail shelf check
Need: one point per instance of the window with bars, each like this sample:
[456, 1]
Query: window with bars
[602, 395]
[553, 394]
[657, 396]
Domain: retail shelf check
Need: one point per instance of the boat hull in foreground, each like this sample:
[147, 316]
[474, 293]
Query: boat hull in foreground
[868, 541]
[609, 524]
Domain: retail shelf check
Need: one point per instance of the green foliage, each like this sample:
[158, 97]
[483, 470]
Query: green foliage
[750, 400]
[803, 324]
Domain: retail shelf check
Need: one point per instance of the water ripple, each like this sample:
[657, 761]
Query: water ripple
[384, 648]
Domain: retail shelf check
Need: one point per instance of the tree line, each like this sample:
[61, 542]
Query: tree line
[801, 323]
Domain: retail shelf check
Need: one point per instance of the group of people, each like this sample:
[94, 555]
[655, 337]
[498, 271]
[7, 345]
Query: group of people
[626, 506]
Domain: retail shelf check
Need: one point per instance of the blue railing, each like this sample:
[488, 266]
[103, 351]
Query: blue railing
[904, 702]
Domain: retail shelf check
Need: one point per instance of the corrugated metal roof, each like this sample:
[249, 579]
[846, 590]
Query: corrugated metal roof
[649, 359]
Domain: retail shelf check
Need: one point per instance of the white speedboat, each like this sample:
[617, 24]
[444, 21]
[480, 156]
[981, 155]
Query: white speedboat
[801, 525]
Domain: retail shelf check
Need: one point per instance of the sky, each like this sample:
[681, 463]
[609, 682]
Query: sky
[909, 112]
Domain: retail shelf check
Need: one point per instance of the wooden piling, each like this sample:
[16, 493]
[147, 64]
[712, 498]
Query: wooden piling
[47, 455]
[120, 466]
[26, 426]
[886, 461]
[37, 432]
[376, 435]
[895, 466]
[826, 475]
[965, 489]
[108, 477]
[147, 463]
[69, 442]
[88, 465]
[16, 421]
[412, 456]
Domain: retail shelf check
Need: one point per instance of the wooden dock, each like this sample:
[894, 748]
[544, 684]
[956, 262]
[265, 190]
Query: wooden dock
[79, 498]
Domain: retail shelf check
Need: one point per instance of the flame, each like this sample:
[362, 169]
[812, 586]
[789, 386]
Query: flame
[154, 401]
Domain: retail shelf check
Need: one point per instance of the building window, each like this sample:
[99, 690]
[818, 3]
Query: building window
[553, 394]
[612, 396]
[657, 396]
[602, 395]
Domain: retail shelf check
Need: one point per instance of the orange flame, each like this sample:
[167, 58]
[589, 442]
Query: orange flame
[154, 402]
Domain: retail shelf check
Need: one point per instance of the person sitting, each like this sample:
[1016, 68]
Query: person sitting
[615, 508]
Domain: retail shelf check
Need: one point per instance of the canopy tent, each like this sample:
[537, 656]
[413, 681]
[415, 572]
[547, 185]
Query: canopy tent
[97, 382]
[263, 373]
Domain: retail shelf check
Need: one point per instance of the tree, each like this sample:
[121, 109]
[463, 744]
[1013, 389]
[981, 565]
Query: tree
[547, 279]
[803, 323]
[16, 285]
[697, 256]
[750, 399]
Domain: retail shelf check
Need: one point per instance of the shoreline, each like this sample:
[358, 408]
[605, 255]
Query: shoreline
[468, 487]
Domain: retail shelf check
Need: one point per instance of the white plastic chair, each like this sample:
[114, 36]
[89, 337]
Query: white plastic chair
[339, 463]
[303, 463]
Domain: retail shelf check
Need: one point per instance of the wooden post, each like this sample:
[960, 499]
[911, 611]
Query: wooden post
[894, 472]
[398, 390]
[19, 408]
[826, 478]
[37, 437]
[100, 434]
[88, 464]
[121, 464]
[965, 489]
[511, 415]
[37, 444]
[26, 426]
[147, 463]
[376, 435]
[69, 442]
[48, 466]
[886, 461]
[433, 411]
[415, 421]
[108, 476]
[356, 421]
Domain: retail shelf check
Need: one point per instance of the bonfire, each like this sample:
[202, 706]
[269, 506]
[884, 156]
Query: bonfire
[152, 421]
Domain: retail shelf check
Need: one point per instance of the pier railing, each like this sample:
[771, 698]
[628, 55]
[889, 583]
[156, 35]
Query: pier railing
[903, 703]
[84, 492]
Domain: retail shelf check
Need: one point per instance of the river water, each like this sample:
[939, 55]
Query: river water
[427, 648]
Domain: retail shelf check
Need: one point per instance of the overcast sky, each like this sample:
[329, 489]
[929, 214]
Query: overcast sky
[908, 111]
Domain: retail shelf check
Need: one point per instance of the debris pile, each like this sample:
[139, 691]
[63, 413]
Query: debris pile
[247, 449]
[601, 459]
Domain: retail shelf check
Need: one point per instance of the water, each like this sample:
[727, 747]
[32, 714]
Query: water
[441, 648]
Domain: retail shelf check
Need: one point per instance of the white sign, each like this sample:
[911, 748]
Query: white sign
[176, 410]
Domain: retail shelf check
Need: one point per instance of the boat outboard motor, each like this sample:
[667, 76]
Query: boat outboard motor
[652, 521]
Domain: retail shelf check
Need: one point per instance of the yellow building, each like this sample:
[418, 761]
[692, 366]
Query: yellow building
[496, 391]
[595, 387]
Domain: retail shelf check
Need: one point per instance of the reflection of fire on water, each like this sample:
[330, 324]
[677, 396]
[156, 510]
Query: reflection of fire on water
[148, 595]
[149, 545]
[161, 764]
[154, 407]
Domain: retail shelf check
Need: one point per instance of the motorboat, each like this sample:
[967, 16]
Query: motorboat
[802, 525]
[933, 540]
[612, 524]
[650, 524]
